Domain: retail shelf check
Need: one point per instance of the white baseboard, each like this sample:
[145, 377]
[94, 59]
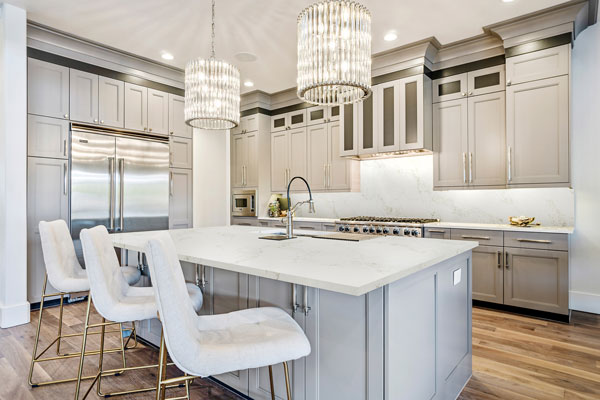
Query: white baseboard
[14, 314]
[587, 302]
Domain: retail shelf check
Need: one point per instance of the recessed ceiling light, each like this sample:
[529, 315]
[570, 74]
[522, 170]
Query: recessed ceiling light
[167, 56]
[390, 36]
[245, 57]
[507, 1]
[248, 83]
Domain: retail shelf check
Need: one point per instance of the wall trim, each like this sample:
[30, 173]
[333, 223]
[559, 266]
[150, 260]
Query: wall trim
[13, 315]
[472, 66]
[542, 44]
[583, 301]
[255, 110]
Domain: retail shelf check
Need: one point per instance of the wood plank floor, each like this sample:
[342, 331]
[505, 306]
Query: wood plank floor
[514, 357]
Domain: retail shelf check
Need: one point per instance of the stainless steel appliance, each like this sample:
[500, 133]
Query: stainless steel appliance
[411, 227]
[119, 181]
[243, 203]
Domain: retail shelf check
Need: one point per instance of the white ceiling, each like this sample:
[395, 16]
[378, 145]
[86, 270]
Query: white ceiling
[266, 28]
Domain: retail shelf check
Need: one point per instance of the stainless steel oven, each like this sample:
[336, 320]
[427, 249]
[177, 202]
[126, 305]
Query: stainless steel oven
[243, 203]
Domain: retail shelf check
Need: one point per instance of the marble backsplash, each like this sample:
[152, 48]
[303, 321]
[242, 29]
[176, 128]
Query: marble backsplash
[403, 187]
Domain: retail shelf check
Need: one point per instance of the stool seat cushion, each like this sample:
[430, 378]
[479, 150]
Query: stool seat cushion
[132, 275]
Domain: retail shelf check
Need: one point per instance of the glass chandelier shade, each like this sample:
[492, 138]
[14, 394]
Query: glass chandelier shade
[212, 91]
[334, 53]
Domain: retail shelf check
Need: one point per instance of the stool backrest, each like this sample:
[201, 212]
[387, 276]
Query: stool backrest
[59, 252]
[107, 284]
[174, 305]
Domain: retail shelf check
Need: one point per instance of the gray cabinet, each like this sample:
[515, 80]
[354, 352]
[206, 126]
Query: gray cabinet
[177, 125]
[437, 233]
[111, 102]
[158, 112]
[136, 107]
[247, 124]
[47, 137]
[450, 143]
[537, 279]
[288, 158]
[244, 159]
[47, 89]
[47, 200]
[289, 120]
[537, 65]
[83, 96]
[387, 99]
[180, 198]
[488, 274]
[181, 151]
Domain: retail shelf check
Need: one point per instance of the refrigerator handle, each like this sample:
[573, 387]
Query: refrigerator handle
[111, 210]
[170, 183]
[121, 191]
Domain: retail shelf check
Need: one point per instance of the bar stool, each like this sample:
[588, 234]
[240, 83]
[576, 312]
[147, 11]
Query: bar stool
[65, 274]
[215, 344]
[115, 301]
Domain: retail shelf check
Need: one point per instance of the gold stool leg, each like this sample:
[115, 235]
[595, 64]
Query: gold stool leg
[162, 368]
[82, 354]
[271, 382]
[60, 322]
[287, 380]
[101, 358]
[37, 333]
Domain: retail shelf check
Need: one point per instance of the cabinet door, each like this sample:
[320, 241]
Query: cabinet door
[298, 157]
[47, 89]
[367, 124]
[450, 143]
[239, 154]
[316, 115]
[158, 112]
[279, 161]
[111, 102]
[318, 157]
[487, 139]
[388, 106]
[47, 200]
[537, 118]
[537, 65]
[252, 159]
[83, 96]
[488, 274]
[450, 88]
[537, 279]
[415, 113]
[180, 150]
[339, 169]
[180, 198]
[278, 123]
[47, 137]
[136, 107]
[349, 130]
[177, 125]
[251, 123]
[486, 80]
[296, 119]
[270, 293]
[333, 113]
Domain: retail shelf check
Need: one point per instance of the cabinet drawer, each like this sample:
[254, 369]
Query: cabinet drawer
[485, 238]
[310, 226]
[531, 240]
[541, 64]
[437, 233]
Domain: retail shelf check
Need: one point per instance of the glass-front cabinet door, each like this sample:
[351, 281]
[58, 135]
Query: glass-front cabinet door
[349, 129]
[487, 80]
[316, 115]
[388, 100]
[415, 113]
[366, 124]
[450, 88]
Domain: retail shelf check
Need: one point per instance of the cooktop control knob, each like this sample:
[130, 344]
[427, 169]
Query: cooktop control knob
[371, 230]
[365, 229]
[347, 228]
[386, 231]
[356, 229]
[396, 231]
[341, 228]
[414, 233]
[406, 232]
[378, 230]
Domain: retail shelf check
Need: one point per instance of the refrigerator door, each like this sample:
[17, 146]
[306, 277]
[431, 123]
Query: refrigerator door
[92, 177]
[142, 185]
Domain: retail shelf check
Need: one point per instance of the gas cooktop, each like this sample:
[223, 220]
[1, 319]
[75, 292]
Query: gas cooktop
[393, 220]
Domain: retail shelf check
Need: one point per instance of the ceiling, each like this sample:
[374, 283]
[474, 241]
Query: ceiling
[265, 28]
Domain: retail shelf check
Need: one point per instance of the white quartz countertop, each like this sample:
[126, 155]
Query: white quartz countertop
[302, 219]
[502, 227]
[353, 268]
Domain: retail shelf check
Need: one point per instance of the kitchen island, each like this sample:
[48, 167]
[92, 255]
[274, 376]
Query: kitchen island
[387, 317]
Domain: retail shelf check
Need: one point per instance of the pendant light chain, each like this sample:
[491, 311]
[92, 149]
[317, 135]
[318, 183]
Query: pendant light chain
[213, 29]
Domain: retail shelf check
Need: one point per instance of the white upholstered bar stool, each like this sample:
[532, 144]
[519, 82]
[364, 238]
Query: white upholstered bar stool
[65, 274]
[115, 300]
[215, 344]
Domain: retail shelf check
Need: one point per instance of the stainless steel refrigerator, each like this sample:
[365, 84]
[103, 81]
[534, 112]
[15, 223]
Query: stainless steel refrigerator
[119, 181]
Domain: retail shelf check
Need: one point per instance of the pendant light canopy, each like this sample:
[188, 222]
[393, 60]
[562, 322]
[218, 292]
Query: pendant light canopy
[212, 91]
[334, 53]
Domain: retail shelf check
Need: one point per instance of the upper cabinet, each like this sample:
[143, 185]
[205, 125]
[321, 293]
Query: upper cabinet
[47, 137]
[537, 65]
[247, 124]
[474, 83]
[47, 89]
[84, 97]
[158, 112]
[111, 102]
[177, 125]
[136, 107]
[289, 120]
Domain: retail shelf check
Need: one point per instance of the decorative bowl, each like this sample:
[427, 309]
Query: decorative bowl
[521, 221]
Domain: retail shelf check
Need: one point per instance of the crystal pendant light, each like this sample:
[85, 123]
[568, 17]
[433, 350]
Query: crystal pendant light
[334, 53]
[212, 91]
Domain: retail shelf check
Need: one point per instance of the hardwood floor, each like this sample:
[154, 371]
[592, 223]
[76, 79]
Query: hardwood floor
[514, 357]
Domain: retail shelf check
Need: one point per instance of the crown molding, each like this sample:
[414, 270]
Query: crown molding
[255, 99]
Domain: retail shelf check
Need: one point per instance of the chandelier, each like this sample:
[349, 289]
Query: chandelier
[212, 91]
[334, 53]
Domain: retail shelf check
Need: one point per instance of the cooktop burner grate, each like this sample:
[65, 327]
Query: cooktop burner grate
[390, 219]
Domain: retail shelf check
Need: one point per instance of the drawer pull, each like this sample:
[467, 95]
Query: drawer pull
[437, 230]
[476, 237]
[534, 241]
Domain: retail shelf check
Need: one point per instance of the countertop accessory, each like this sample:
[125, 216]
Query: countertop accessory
[334, 53]
[521, 221]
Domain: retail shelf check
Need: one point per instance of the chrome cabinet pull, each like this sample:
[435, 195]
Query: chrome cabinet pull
[306, 307]
[121, 192]
[499, 260]
[171, 184]
[470, 167]
[329, 175]
[534, 241]
[295, 304]
[476, 237]
[65, 147]
[111, 207]
[324, 175]
[509, 164]
[65, 183]
[464, 156]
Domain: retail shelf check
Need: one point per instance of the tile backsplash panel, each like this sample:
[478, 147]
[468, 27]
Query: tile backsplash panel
[403, 187]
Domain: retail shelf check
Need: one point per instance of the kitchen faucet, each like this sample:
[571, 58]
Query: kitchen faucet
[290, 213]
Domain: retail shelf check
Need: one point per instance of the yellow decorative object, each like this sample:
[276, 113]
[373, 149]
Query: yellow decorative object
[521, 221]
